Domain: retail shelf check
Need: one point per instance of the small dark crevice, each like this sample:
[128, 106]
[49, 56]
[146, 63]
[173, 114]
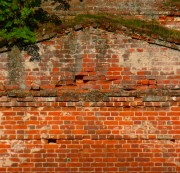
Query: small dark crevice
[79, 77]
[172, 140]
[52, 141]
[129, 89]
[86, 81]
[71, 84]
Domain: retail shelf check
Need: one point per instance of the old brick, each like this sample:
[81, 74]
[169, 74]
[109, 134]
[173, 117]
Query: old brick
[98, 101]
[152, 98]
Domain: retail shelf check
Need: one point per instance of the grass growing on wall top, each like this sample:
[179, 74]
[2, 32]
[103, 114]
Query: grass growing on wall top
[134, 25]
[173, 3]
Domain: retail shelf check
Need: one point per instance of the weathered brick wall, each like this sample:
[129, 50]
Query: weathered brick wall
[147, 7]
[97, 102]
[159, 10]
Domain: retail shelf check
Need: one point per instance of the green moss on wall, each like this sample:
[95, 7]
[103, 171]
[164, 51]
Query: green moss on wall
[112, 23]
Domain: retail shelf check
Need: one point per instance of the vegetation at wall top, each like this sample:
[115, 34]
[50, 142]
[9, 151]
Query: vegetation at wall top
[112, 23]
[173, 4]
[20, 18]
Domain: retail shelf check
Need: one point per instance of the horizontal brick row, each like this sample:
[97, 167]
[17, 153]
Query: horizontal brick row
[90, 155]
[88, 123]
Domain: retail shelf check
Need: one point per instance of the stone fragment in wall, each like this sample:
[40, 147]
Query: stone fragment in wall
[78, 27]
[35, 87]
[164, 137]
[151, 98]
[177, 87]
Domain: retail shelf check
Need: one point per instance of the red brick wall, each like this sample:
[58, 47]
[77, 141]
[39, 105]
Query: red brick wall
[97, 102]
[110, 103]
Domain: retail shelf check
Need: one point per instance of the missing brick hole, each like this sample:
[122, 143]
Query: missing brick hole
[79, 77]
[86, 81]
[81, 0]
[52, 141]
[129, 89]
[172, 140]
